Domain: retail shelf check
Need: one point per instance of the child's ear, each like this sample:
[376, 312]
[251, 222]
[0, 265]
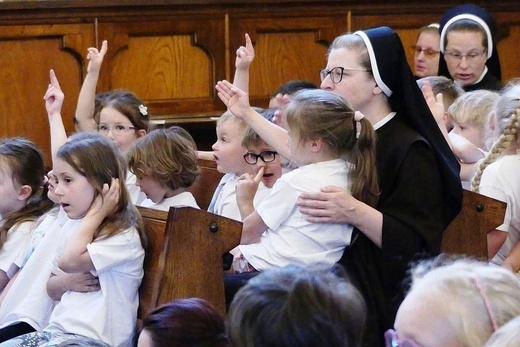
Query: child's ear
[141, 132]
[24, 193]
[316, 145]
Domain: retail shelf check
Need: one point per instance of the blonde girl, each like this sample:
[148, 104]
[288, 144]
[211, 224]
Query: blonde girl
[24, 199]
[107, 242]
[497, 177]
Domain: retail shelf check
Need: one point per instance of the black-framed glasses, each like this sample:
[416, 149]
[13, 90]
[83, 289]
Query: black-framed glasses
[117, 129]
[471, 57]
[428, 52]
[336, 73]
[266, 156]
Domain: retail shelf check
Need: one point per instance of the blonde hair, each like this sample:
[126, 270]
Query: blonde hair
[476, 297]
[317, 113]
[506, 111]
[168, 155]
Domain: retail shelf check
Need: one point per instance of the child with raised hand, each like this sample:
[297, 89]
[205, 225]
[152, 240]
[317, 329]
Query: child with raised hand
[24, 199]
[497, 177]
[323, 141]
[165, 164]
[107, 242]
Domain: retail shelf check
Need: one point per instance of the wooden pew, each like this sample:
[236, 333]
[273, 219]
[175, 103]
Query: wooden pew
[208, 180]
[184, 256]
[467, 233]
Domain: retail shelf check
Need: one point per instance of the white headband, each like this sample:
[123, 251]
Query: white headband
[373, 62]
[476, 19]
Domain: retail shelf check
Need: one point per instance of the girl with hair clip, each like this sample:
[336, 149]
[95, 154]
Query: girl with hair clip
[469, 54]
[324, 142]
[454, 303]
[118, 114]
[23, 191]
[106, 242]
[497, 177]
[369, 69]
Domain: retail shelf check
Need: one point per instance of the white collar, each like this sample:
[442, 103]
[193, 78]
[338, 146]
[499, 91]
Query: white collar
[384, 121]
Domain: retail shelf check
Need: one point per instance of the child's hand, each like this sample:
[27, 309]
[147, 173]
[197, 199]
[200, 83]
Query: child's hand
[435, 103]
[105, 203]
[236, 100]
[82, 282]
[96, 57]
[245, 55]
[247, 186]
[54, 96]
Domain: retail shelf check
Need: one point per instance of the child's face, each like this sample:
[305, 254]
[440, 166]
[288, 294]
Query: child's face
[152, 188]
[110, 118]
[273, 169]
[471, 132]
[228, 150]
[74, 191]
[9, 191]
[52, 187]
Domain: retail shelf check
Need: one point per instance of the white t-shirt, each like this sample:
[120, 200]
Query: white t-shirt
[179, 200]
[136, 195]
[110, 314]
[290, 238]
[18, 238]
[27, 300]
[501, 181]
[226, 197]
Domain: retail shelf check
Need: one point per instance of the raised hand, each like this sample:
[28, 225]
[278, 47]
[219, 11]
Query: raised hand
[435, 103]
[96, 56]
[53, 96]
[245, 55]
[236, 100]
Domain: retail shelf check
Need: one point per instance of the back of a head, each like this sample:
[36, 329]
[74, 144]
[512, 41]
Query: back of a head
[293, 86]
[292, 307]
[507, 335]
[185, 322]
[474, 108]
[441, 84]
[476, 298]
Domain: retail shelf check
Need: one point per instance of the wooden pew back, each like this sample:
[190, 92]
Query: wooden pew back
[184, 257]
[467, 233]
[204, 186]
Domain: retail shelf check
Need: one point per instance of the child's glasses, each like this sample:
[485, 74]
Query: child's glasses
[118, 129]
[428, 52]
[392, 340]
[266, 156]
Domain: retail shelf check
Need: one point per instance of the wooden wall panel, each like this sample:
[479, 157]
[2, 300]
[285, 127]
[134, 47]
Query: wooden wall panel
[28, 53]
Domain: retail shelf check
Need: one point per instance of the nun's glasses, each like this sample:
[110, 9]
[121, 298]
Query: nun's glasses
[471, 57]
[336, 73]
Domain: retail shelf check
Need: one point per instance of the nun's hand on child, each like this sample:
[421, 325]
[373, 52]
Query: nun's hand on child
[96, 56]
[330, 205]
[105, 203]
[236, 100]
[245, 55]
[83, 282]
[53, 96]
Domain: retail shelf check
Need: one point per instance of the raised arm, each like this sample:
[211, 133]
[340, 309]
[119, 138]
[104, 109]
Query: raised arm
[75, 256]
[86, 101]
[53, 103]
[237, 101]
[245, 56]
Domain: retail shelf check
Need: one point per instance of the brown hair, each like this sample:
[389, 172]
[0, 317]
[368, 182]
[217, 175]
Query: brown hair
[24, 162]
[317, 113]
[186, 322]
[127, 103]
[353, 42]
[168, 155]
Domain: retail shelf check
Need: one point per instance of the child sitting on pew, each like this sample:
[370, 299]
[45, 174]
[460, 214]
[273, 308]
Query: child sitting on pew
[165, 164]
[324, 142]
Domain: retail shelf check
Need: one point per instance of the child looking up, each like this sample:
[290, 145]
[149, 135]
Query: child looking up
[323, 142]
[165, 164]
[107, 242]
[23, 193]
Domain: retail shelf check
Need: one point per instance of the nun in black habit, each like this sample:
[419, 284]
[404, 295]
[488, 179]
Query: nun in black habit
[472, 18]
[420, 190]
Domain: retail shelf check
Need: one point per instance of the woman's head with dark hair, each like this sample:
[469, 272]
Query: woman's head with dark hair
[185, 322]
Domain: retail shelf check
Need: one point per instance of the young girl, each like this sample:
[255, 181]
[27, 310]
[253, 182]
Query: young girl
[497, 177]
[165, 164]
[323, 141]
[23, 200]
[117, 114]
[107, 242]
